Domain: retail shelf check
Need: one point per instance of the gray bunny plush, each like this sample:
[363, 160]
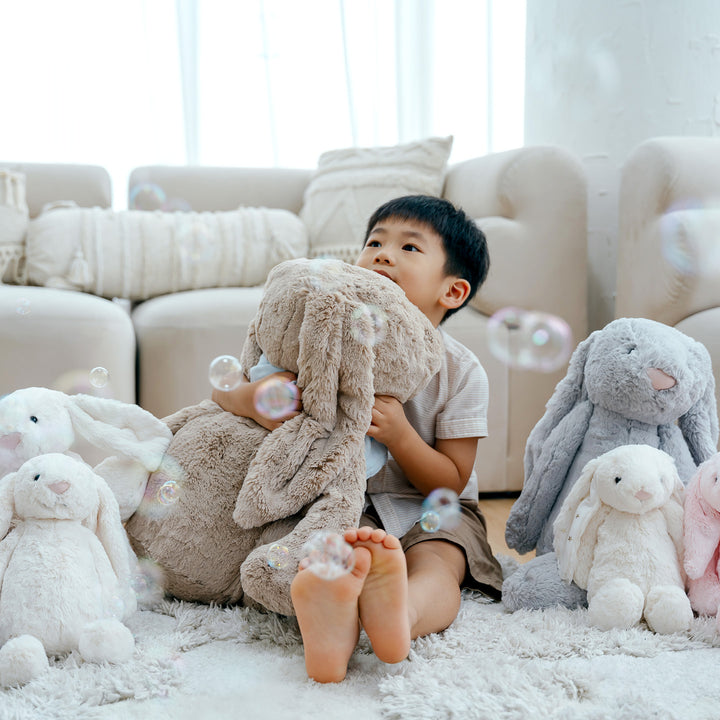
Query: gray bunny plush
[636, 381]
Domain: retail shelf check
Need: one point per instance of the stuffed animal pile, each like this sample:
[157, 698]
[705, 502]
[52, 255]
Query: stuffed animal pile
[637, 382]
[619, 535]
[237, 490]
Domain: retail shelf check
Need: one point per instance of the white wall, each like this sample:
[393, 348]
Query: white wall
[604, 75]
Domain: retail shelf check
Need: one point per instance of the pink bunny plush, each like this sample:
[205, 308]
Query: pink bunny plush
[702, 537]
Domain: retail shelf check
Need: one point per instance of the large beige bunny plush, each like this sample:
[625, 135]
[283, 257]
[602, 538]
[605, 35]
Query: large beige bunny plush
[619, 535]
[236, 489]
[65, 579]
[35, 421]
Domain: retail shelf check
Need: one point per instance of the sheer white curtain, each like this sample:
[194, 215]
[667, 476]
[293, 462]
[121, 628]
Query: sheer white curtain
[122, 83]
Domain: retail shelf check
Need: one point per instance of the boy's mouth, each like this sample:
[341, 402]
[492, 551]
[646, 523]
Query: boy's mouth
[384, 274]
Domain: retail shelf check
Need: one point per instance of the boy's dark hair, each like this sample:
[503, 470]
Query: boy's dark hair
[464, 242]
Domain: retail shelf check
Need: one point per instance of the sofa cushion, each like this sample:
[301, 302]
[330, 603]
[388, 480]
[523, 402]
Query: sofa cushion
[13, 224]
[137, 255]
[350, 184]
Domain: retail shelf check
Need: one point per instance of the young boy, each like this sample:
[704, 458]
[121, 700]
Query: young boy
[407, 582]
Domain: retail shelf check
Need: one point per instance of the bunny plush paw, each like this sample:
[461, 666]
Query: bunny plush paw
[106, 641]
[617, 604]
[22, 659]
[667, 609]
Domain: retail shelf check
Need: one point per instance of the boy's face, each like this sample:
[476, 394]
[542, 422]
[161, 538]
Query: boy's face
[412, 255]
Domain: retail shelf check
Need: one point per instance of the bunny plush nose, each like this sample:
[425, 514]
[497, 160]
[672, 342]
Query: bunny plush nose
[59, 487]
[660, 380]
[642, 495]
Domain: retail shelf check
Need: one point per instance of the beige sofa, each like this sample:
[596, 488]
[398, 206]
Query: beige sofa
[669, 238]
[531, 203]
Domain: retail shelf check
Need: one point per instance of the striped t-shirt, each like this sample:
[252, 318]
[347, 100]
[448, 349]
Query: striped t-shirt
[453, 405]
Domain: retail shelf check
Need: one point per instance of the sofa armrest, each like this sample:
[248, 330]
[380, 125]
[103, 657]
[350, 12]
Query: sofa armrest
[532, 205]
[669, 219]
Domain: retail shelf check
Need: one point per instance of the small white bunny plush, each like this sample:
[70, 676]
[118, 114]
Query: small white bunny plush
[619, 535]
[65, 578]
[35, 421]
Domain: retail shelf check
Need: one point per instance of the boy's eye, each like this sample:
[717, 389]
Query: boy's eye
[373, 243]
[411, 248]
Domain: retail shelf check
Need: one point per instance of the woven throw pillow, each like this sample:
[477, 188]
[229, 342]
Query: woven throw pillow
[13, 224]
[137, 255]
[349, 185]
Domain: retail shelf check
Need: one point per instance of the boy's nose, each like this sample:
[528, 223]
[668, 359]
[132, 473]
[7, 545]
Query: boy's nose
[383, 258]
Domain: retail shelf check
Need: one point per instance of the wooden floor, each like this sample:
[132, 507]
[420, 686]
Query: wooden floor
[496, 512]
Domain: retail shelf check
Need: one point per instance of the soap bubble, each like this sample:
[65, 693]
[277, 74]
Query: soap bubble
[329, 555]
[325, 273]
[430, 521]
[146, 196]
[689, 233]
[99, 377]
[368, 324]
[148, 583]
[278, 556]
[168, 492]
[22, 306]
[530, 340]
[76, 381]
[275, 398]
[440, 509]
[225, 373]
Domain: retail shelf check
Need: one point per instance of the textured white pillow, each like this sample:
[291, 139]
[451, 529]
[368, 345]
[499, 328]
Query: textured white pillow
[137, 254]
[349, 185]
[13, 224]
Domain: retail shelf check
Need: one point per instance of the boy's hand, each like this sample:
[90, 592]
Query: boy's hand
[242, 400]
[389, 424]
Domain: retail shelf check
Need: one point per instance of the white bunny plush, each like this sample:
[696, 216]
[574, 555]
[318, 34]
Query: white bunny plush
[619, 535]
[64, 571]
[35, 421]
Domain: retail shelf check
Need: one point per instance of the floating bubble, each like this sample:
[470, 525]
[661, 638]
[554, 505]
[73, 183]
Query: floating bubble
[78, 381]
[530, 340]
[368, 324]
[99, 377]
[225, 373]
[278, 556]
[329, 555]
[276, 398]
[22, 306]
[689, 233]
[430, 521]
[146, 196]
[325, 273]
[168, 492]
[148, 583]
[440, 509]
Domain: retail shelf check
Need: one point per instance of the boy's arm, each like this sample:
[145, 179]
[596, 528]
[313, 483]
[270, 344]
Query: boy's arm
[241, 400]
[448, 464]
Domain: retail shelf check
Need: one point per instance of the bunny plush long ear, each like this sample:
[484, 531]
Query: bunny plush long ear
[297, 461]
[7, 502]
[699, 425]
[111, 534]
[701, 524]
[574, 538]
[568, 393]
[120, 428]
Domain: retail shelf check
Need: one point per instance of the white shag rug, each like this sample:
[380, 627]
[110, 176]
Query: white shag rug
[195, 662]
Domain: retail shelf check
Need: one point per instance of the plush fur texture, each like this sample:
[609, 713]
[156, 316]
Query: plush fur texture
[702, 537]
[35, 421]
[240, 488]
[63, 565]
[635, 381]
[619, 536]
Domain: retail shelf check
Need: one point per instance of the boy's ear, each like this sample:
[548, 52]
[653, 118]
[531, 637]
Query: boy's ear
[455, 294]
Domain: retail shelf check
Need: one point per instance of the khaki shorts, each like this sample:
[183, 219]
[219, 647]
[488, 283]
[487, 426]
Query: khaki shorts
[482, 570]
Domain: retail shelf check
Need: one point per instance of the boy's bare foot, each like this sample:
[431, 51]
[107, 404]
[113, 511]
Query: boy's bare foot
[327, 612]
[383, 601]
